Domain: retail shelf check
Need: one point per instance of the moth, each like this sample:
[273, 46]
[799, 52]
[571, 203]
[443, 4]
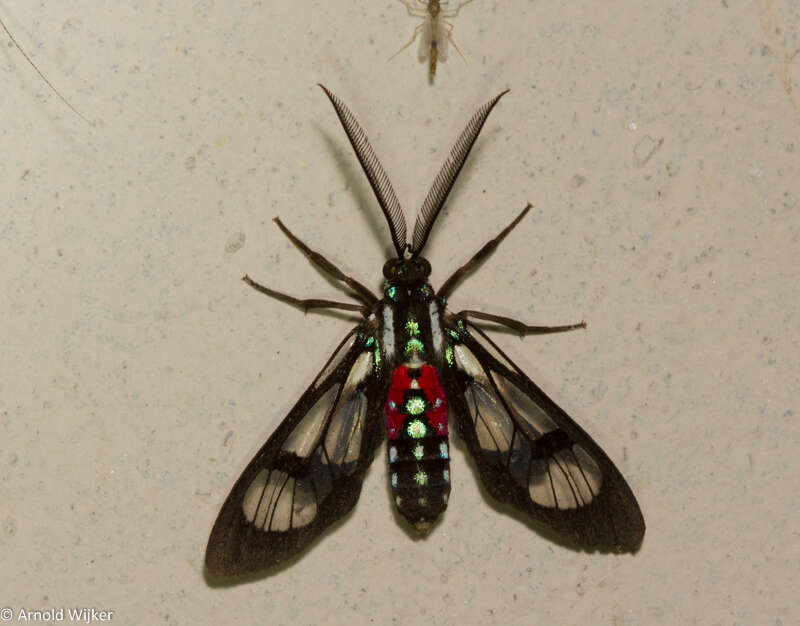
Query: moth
[39, 72]
[435, 31]
[409, 372]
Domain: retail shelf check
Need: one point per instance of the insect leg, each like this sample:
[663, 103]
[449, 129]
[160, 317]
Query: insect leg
[520, 327]
[417, 11]
[42, 76]
[479, 256]
[362, 293]
[454, 11]
[306, 305]
[410, 41]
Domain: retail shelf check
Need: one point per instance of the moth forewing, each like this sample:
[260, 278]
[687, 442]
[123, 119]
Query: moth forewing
[530, 453]
[308, 474]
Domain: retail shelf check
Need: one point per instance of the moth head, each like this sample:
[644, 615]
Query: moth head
[405, 272]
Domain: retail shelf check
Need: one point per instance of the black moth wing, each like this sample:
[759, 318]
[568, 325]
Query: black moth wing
[530, 453]
[309, 473]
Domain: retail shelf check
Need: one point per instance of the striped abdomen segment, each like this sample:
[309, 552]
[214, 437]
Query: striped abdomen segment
[419, 452]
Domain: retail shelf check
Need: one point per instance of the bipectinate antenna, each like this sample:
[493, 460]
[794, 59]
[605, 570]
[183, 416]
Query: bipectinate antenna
[375, 173]
[447, 175]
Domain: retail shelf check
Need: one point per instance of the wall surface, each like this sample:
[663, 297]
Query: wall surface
[660, 145]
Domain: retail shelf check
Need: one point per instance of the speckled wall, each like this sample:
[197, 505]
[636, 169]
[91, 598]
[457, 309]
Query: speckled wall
[659, 143]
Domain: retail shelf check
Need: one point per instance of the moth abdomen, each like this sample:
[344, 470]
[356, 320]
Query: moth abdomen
[418, 447]
[420, 478]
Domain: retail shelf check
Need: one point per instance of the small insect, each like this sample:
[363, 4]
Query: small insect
[436, 32]
[409, 372]
[41, 75]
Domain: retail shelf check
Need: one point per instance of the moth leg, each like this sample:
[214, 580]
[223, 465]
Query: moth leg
[417, 11]
[479, 256]
[410, 41]
[452, 12]
[306, 305]
[520, 327]
[362, 293]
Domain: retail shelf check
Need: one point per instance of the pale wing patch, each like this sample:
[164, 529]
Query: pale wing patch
[268, 500]
[252, 497]
[590, 471]
[567, 480]
[492, 424]
[343, 440]
[336, 359]
[275, 502]
[467, 362]
[540, 488]
[358, 372]
[530, 413]
[281, 517]
[304, 438]
[305, 503]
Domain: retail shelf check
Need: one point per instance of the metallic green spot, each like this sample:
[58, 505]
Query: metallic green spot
[416, 429]
[414, 345]
[421, 478]
[448, 354]
[415, 406]
[392, 293]
[412, 328]
[453, 334]
[369, 342]
[461, 324]
[418, 451]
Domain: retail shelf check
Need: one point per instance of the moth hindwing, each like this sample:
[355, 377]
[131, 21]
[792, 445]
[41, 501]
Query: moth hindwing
[408, 372]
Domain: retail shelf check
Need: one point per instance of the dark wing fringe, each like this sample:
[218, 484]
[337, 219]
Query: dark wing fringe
[374, 170]
[447, 175]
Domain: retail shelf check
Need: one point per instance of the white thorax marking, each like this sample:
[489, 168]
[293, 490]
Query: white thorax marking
[436, 327]
[388, 331]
